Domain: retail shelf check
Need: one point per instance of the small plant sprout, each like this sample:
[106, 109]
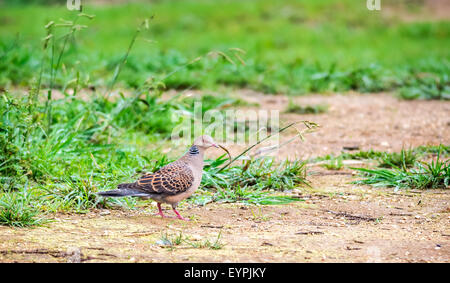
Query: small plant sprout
[334, 164]
[172, 241]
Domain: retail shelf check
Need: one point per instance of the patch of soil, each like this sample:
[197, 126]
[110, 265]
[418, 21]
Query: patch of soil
[415, 11]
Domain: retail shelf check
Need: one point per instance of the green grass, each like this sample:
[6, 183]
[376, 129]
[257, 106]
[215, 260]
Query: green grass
[20, 209]
[425, 175]
[261, 174]
[172, 241]
[360, 155]
[442, 150]
[334, 163]
[307, 109]
[290, 47]
[404, 159]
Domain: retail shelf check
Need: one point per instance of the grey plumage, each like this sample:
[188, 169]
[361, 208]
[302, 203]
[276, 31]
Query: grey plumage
[124, 190]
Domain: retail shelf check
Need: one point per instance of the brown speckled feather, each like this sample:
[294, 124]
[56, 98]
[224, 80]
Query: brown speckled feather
[172, 179]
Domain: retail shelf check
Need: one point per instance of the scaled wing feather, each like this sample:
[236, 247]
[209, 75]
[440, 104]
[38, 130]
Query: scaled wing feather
[172, 179]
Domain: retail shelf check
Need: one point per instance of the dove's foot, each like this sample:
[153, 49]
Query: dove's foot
[160, 212]
[179, 216]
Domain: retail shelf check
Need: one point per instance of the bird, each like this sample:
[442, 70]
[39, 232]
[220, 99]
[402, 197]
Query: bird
[172, 183]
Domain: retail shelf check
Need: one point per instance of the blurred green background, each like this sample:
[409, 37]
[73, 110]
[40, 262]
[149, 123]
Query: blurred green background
[291, 47]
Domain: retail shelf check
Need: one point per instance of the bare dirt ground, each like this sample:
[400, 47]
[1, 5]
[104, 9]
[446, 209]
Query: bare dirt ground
[337, 222]
[416, 11]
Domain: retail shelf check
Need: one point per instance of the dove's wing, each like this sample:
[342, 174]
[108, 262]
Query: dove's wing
[172, 179]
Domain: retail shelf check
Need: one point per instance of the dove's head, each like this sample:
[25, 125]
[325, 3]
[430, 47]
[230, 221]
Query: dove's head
[205, 142]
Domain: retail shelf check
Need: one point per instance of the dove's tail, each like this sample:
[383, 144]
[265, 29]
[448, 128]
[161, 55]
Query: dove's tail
[124, 190]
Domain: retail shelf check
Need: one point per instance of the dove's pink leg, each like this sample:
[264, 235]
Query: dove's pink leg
[179, 216]
[160, 211]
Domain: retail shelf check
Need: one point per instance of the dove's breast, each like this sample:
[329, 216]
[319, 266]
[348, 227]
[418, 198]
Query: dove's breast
[174, 199]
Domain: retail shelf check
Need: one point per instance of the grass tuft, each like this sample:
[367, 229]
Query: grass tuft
[334, 163]
[308, 109]
[18, 209]
[431, 175]
[172, 241]
[260, 174]
[404, 159]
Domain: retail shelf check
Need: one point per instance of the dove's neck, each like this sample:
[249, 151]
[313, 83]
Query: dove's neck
[194, 157]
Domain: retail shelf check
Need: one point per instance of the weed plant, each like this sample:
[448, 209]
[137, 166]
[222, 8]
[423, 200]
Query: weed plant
[425, 175]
